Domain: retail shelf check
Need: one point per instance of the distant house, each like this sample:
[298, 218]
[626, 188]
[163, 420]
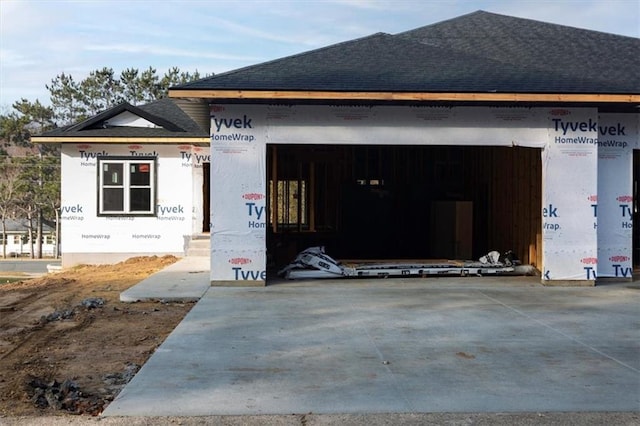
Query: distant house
[483, 132]
[18, 243]
[133, 182]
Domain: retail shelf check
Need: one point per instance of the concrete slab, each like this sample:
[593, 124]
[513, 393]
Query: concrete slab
[433, 345]
[186, 280]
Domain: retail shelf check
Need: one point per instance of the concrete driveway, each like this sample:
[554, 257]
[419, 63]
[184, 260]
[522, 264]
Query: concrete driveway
[433, 345]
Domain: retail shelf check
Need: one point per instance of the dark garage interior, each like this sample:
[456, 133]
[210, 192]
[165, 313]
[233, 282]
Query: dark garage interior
[403, 202]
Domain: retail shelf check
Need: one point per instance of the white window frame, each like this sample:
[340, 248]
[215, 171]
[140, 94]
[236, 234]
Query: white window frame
[126, 185]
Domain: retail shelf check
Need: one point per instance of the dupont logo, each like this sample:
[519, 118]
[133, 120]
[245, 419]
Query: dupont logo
[253, 196]
[625, 198]
[83, 146]
[559, 112]
[593, 198]
[184, 147]
[239, 261]
[134, 146]
[198, 149]
[217, 108]
[589, 260]
[619, 258]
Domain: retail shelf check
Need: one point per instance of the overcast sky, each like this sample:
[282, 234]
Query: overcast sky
[40, 39]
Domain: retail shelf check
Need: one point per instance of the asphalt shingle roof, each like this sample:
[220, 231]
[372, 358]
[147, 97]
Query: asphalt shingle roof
[478, 52]
[163, 112]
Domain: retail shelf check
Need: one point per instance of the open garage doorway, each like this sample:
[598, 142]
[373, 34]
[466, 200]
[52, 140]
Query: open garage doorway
[403, 202]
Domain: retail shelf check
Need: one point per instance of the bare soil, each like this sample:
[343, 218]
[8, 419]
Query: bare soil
[67, 343]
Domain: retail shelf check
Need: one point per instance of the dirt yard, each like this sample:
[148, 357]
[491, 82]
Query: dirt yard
[68, 345]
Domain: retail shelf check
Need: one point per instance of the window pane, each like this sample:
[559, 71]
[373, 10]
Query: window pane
[113, 199]
[140, 200]
[140, 174]
[112, 174]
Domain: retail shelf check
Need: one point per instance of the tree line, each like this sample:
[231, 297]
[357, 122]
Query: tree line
[30, 174]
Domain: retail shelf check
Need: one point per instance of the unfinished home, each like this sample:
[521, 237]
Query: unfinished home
[134, 182]
[476, 134]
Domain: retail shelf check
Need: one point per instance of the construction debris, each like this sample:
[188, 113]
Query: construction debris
[315, 263]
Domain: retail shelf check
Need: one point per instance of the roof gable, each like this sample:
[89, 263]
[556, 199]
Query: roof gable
[128, 119]
[109, 117]
[158, 119]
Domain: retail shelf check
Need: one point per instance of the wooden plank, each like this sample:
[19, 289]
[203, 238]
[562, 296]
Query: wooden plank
[94, 140]
[405, 96]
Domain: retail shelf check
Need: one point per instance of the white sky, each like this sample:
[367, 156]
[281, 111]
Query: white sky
[39, 39]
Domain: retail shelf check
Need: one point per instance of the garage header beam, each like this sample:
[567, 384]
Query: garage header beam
[404, 96]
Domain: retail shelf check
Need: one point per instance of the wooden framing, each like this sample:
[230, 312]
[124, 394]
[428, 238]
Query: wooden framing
[94, 140]
[405, 96]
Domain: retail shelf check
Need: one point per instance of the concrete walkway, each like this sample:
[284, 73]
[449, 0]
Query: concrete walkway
[436, 345]
[186, 280]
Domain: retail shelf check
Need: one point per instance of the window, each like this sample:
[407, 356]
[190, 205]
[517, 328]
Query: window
[126, 186]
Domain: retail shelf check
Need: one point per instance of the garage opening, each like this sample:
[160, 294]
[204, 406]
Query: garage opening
[403, 202]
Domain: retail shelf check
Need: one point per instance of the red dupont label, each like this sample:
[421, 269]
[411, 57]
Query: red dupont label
[239, 261]
[589, 260]
[559, 112]
[83, 146]
[253, 196]
[593, 198]
[620, 258]
[625, 198]
[134, 146]
[198, 149]
[184, 147]
[217, 108]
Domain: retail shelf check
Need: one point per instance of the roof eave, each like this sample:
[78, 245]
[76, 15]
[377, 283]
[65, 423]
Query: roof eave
[405, 96]
[109, 140]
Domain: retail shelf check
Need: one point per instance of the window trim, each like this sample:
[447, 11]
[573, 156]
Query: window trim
[126, 161]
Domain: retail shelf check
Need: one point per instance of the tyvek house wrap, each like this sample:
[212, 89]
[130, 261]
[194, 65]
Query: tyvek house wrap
[570, 186]
[617, 138]
[240, 133]
[86, 232]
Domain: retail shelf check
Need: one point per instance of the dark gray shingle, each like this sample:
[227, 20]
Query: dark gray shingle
[174, 122]
[478, 52]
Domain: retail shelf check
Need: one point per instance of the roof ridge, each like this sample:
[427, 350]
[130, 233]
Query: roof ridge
[512, 18]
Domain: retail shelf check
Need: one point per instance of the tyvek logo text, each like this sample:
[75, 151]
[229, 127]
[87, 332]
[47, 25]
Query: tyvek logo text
[72, 212]
[170, 212]
[255, 211]
[246, 274]
[590, 271]
[224, 124]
